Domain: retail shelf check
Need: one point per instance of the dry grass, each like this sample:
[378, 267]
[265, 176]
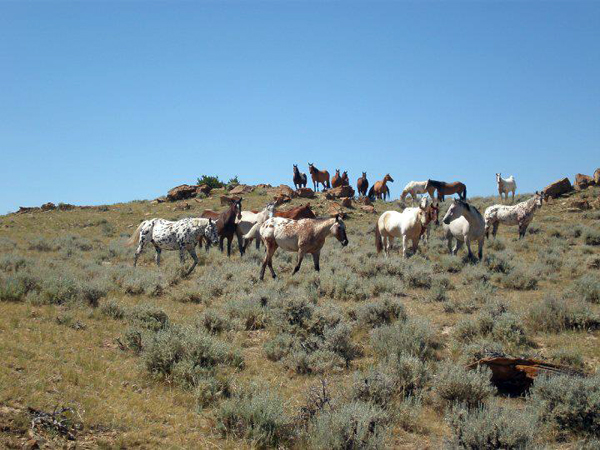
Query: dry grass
[68, 298]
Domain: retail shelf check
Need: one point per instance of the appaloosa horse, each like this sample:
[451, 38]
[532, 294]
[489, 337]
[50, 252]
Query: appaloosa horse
[319, 176]
[181, 235]
[520, 214]
[362, 184]
[379, 189]
[336, 180]
[299, 178]
[300, 236]
[226, 223]
[444, 189]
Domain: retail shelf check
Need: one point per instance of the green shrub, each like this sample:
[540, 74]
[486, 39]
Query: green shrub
[568, 405]
[112, 309]
[41, 244]
[556, 315]
[568, 357]
[14, 288]
[256, 414]
[148, 317]
[382, 312]
[213, 321]
[591, 236]
[455, 384]
[211, 388]
[414, 337]
[520, 279]
[59, 289]
[588, 288]
[13, 263]
[212, 181]
[375, 385]
[490, 427]
[500, 262]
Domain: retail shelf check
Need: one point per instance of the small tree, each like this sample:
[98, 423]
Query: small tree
[212, 181]
[233, 182]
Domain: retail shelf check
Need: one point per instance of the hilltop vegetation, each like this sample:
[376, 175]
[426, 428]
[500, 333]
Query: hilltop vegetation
[370, 352]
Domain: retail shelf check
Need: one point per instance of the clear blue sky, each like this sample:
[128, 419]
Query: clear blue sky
[104, 102]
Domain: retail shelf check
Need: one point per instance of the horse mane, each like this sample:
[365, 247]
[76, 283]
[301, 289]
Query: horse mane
[436, 183]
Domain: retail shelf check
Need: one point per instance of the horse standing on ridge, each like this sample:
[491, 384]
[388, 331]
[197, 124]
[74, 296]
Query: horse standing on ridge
[506, 185]
[319, 176]
[362, 184]
[413, 188]
[336, 180]
[444, 189]
[379, 189]
[299, 178]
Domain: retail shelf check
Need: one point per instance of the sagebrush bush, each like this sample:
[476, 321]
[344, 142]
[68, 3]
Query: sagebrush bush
[41, 244]
[210, 388]
[500, 262]
[591, 236]
[588, 288]
[568, 357]
[381, 312]
[257, 414]
[568, 405]
[149, 317]
[414, 337]
[15, 287]
[520, 278]
[13, 263]
[490, 427]
[455, 384]
[213, 321]
[375, 385]
[113, 309]
[355, 425]
[556, 315]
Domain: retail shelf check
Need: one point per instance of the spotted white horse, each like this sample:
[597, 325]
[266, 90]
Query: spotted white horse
[181, 235]
[520, 214]
[506, 185]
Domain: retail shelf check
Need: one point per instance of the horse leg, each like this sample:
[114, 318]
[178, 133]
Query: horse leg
[138, 251]
[221, 239]
[480, 249]
[316, 256]
[513, 196]
[241, 242]
[181, 254]
[229, 239]
[457, 247]
[268, 260]
[299, 263]
[158, 250]
[404, 239]
[449, 241]
[495, 229]
[192, 252]
[468, 244]
[415, 245]
[258, 244]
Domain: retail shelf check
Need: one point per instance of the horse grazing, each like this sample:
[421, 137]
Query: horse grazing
[506, 185]
[413, 188]
[379, 189]
[319, 176]
[520, 214]
[226, 223]
[464, 223]
[362, 184]
[297, 213]
[336, 180]
[409, 224]
[299, 178]
[301, 236]
[247, 222]
[444, 189]
[181, 235]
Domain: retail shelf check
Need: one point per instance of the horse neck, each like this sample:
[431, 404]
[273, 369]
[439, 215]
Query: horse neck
[229, 215]
[383, 183]
[531, 204]
[321, 229]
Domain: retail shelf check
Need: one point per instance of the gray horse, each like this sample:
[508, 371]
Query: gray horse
[464, 223]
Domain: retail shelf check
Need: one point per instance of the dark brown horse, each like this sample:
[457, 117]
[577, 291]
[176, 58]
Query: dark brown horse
[379, 189]
[362, 184]
[318, 176]
[336, 180]
[444, 189]
[300, 212]
[299, 178]
[345, 180]
[226, 223]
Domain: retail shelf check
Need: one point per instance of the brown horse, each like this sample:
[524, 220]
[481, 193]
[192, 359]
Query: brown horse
[379, 189]
[300, 212]
[299, 178]
[299, 236]
[362, 184]
[226, 223]
[444, 189]
[336, 180]
[345, 179]
[319, 176]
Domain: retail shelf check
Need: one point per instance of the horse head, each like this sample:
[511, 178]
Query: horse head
[455, 211]
[498, 177]
[388, 178]
[364, 175]
[237, 205]
[211, 231]
[338, 229]
[311, 168]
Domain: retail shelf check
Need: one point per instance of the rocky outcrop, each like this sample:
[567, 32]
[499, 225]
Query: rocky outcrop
[182, 192]
[597, 177]
[241, 189]
[305, 193]
[583, 181]
[339, 192]
[558, 188]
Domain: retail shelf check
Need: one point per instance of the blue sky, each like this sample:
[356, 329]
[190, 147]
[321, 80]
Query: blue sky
[113, 101]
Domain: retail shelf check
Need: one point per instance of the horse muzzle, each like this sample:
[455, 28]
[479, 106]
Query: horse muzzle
[344, 242]
[447, 221]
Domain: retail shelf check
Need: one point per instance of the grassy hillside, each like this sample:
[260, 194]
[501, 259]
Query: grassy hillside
[369, 352]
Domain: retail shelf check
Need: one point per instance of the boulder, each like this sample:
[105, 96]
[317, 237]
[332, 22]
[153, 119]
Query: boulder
[597, 177]
[305, 193]
[182, 192]
[558, 188]
[241, 189]
[369, 209]
[48, 206]
[281, 198]
[263, 186]
[582, 181]
[182, 207]
[347, 202]
[65, 207]
[227, 200]
[204, 189]
[284, 189]
[27, 209]
[580, 205]
[340, 191]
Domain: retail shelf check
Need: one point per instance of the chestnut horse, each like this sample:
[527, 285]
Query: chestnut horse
[226, 223]
[336, 180]
[299, 178]
[319, 176]
[300, 212]
[362, 184]
[379, 189]
[345, 179]
[444, 189]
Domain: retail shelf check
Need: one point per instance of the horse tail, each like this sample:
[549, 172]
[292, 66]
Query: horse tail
[465, 193]
[378, 241]
[135, 237]
[254, 232]
[371, 193]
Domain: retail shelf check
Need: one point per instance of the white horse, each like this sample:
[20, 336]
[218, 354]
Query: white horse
[247, 222]
[506, 185]
[413, 188]
[409, 224]
[181, 235]
[464, 223]
[520, 214]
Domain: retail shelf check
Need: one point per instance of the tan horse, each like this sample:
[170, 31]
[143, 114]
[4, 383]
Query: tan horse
[336, 180]
[379, 189]
[362, 184]
[318, 176]
[300, 236]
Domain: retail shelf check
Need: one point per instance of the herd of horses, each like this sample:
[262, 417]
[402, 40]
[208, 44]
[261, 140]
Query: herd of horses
[298, 230]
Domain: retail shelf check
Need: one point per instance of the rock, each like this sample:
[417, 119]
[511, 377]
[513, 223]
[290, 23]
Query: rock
[27, 209]
[558, 188]
[597, 177]
[368, 208]
[334, 209]
[583, 181]
[227, 200]
[347, 202]
[305, 193]
[162, 199]
[263, 186]
[284, 189]
[65, 207]
[48, 206]
[340, 191]
[581, 205]
[182, 207]
[182, 192]
[280, 199]
[241, 189]
[204, 189]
